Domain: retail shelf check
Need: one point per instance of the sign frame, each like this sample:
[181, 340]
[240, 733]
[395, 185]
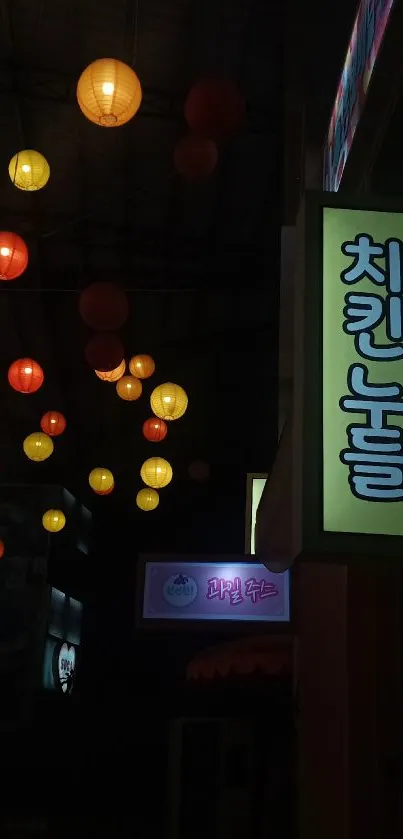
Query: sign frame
[312, 539]
[222, 627]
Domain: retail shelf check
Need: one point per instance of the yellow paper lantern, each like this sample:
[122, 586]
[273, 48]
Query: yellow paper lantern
[156, 472]
[101, 480]
[142, 366]
[38, 446]
[129, 388]
[112, 375]
[53, 521]
[147, 499]
[169, 401]
[109, 92]
[29, 170]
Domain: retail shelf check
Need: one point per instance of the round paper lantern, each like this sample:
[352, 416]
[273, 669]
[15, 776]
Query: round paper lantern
[156, 472]
[106, 491]
[129, 388]
[103, 306]
[199, 471]
[53, 521]
[104, 352]
[155, 429]
[214, 108]
[142, 366]
[38, 446]
[25, 375]
[147, 499]
[169, 401]
[53, 423]
[112, 375]
[109, 92]
[13, 256]
[2, 548]
[29, 170]
[195, 157]
[101, 480]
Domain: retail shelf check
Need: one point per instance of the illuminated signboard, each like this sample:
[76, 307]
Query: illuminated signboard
[255, 484]
[229, 590]
[62, 642]
[362, 371]
[367, 35]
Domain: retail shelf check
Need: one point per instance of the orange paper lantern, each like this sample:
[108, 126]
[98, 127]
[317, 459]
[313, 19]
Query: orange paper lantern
[13, 256]
[112, 375]
[104, 352]
[142, 366]
[214, 108]
[129, 388]
[25, 375]
[195, 157]
[103, 306]
[53, 423]
[155, 429]
[109, 92]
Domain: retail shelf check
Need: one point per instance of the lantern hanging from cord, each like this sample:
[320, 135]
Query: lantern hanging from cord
[54, 521]
[13, 256]
[112, 375]
[109, 92]
[215, 108]
[103, 306]
[53, 423]
[147, 499]
[156, 472]
[29, 170]
[169, 401]
[129, 388]
[104, 352]
[38, 446]
[101, 480]
[195, 157]
[25, 375]
[155, 429]
[142, 366]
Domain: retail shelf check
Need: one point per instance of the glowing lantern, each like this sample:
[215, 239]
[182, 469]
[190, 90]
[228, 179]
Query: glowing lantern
[156, 472]
[155, 429]
[112, 375]
[53, 423]
[53, 521]
[109, 92]
[104, 352]
[169, 401]
[129, 388]
[103, 306]
[147, 499]
[106, 491]
[101, 480]
[215, 109]
[25, 375]
[2, 548]
[142, 366]
[29, 170]
[13, 256]
[195, 157]
[38, 446]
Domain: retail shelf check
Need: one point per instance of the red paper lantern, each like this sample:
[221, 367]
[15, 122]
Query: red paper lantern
[195, 157]
[104, 352]
[155, 429]
[13, 256]
[25, 375]
[214, 109]
[53, 423]
[2, 548]
[103, 306]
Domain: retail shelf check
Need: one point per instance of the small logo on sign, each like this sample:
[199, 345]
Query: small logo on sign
[180, 590]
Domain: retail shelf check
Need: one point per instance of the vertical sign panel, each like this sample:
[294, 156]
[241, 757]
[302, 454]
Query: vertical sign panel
[362, 372]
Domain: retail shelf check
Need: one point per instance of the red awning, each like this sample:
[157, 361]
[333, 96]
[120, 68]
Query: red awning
[268, 654]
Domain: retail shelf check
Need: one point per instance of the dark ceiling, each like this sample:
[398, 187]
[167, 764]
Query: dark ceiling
[200, 263]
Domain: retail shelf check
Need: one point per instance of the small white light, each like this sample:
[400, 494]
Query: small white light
[28, 370]
[5, 251]
[108, 88]
[158, 470]
[167, 399]
[53, 421]
[26, 167]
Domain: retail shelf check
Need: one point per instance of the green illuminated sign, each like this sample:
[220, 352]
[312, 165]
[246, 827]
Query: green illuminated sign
[362, 371]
